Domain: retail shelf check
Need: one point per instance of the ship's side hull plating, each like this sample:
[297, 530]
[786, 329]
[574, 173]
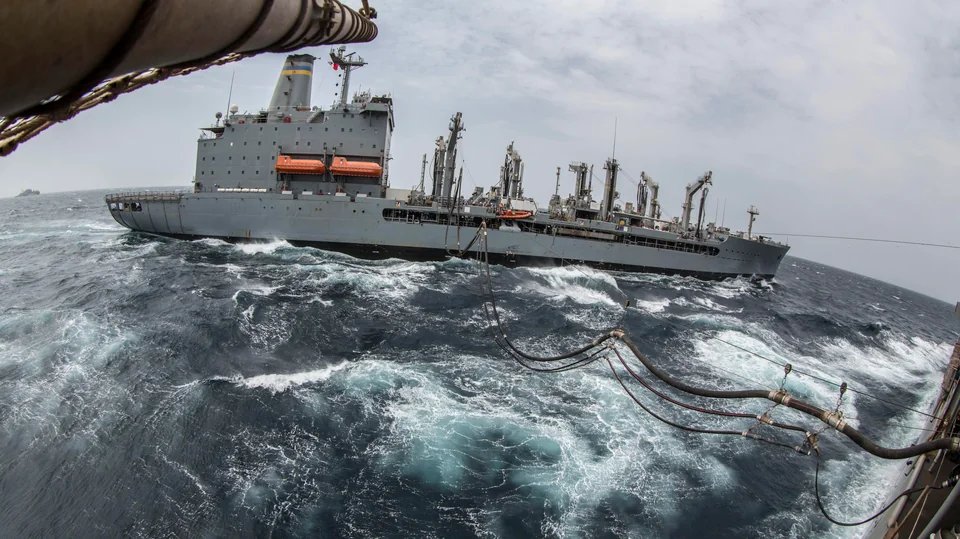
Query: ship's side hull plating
[366, 227]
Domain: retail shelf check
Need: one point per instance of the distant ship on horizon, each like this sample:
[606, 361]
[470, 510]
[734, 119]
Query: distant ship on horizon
[28, 192]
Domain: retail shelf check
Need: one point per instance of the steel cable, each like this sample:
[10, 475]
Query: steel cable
[701, 409]
[823, 510]
[833, 419]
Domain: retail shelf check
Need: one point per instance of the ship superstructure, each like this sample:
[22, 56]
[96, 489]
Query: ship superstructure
[320, 177]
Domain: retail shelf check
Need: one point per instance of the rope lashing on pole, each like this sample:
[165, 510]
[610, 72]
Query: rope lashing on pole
[149, 46]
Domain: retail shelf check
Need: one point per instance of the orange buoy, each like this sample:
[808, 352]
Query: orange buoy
[287, 164]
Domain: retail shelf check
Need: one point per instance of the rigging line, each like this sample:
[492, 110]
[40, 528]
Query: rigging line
[505, 346]
[833, 419]
[623, 315]
[826, 381]
[499, 324]
[629, 177]
[740, 376]
[688, 428]
[510, 350]
[808, 374]
[856, 238]
[700, 409]
[563, 368]
[751, 352]
[816, 490]
[896, 424]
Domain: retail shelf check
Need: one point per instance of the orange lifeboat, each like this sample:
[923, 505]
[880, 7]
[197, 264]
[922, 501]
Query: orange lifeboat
[514, 214]
[342, 167]
[287, 164]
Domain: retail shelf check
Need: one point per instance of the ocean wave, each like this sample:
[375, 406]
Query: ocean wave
[120, 354]
[256, 248]
[509, 431]
[652, 306]
[278, 383]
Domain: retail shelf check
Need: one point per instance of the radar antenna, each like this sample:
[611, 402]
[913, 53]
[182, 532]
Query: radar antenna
[349, 62]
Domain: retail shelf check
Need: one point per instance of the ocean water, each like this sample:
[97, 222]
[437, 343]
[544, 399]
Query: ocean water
[154, 387]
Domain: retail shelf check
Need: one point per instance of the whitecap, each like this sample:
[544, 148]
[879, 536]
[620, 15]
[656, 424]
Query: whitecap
[652, 306]
[262, 248]
[575, 293]
[573, 273]
[210, 242]
[278, 383]
[261, 290]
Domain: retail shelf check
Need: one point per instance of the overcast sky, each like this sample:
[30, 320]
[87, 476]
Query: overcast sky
[832, 117]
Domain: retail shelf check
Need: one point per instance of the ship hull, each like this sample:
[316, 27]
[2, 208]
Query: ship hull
[369, 228]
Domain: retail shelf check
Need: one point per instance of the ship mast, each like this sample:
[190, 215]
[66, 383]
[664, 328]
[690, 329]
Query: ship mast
[456, 126]
[580, 190]
[654, 203]
[348, 62]
[754, 212]
[642, 195]
[511, 174]
[439, 155]
[423, 173]
[609, 187]
[688, 199]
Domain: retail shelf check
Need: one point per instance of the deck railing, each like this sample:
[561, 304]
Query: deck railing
[144, 196]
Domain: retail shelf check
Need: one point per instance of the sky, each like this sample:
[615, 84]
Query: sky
[833, 118]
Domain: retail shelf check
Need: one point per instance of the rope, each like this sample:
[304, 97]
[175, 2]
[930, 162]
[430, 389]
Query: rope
[93, 90]
[855, 238]
[700, 409]
[821, 379]
[816, 489]
[600, 347]
[588, 353]
[756, 354]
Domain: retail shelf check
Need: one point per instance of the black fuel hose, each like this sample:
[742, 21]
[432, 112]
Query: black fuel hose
[784, 399]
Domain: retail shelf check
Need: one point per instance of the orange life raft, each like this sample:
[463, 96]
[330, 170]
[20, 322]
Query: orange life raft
[287, 164]
[341, 166]
[514, 214]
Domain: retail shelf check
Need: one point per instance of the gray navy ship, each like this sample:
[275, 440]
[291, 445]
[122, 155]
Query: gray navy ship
[320, 177]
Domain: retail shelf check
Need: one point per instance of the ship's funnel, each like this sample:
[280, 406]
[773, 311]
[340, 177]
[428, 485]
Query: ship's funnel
[294, 84]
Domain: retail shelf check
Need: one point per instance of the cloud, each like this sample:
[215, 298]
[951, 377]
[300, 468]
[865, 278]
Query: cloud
[831, 117]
